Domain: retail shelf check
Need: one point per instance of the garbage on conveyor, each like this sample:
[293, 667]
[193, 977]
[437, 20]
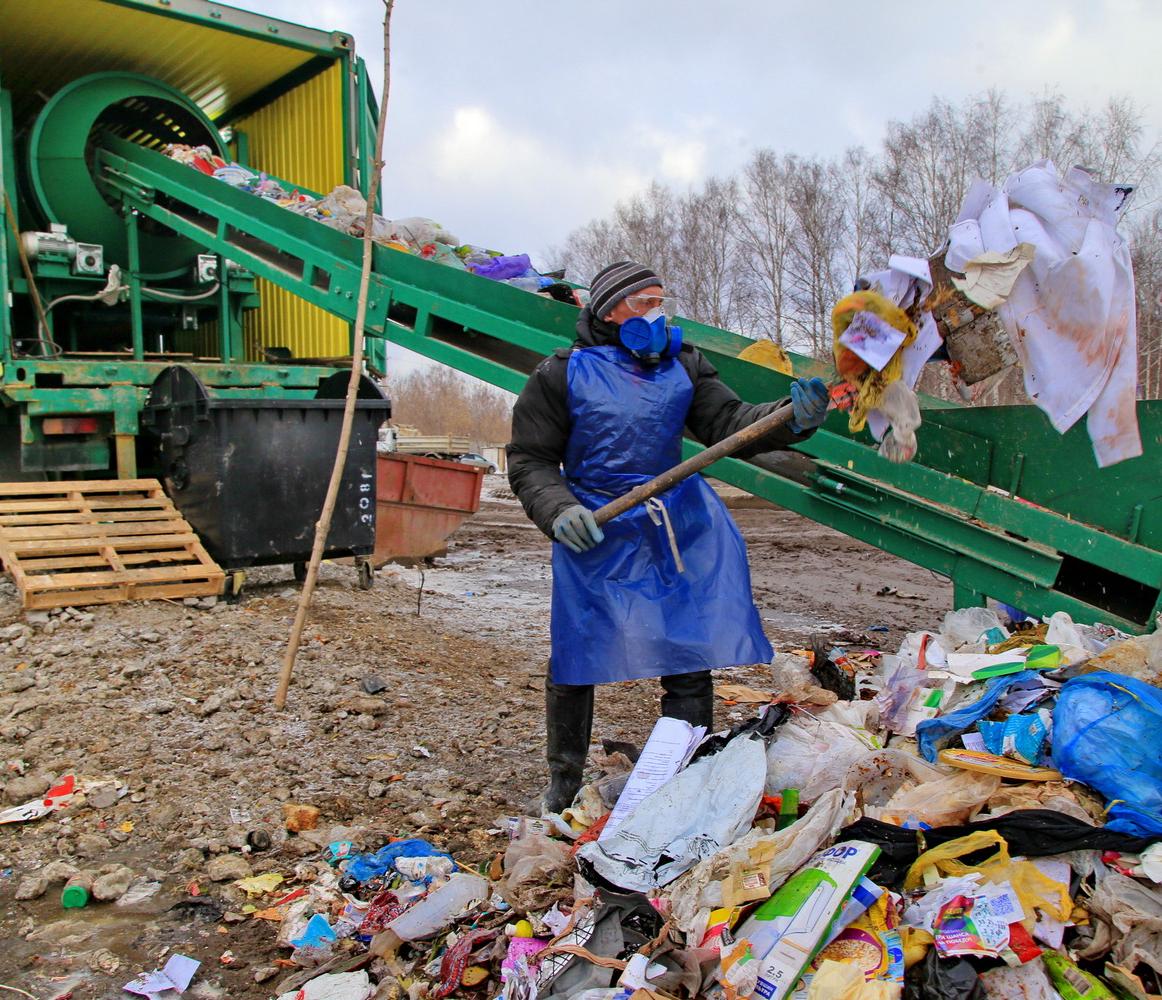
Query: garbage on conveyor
[345, 209]
[976, 814]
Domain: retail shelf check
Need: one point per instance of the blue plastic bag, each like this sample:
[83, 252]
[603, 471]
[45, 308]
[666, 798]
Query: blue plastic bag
[365, 866]
[317, 934]
[935, 734]
[1107, 733]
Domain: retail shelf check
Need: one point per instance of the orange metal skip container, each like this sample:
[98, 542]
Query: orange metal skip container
[419, 502]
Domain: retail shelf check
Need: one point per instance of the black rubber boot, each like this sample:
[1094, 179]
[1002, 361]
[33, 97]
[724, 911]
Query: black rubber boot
[568, 727]
[689, 697]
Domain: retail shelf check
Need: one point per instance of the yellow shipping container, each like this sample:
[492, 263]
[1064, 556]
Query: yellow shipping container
[299, 138]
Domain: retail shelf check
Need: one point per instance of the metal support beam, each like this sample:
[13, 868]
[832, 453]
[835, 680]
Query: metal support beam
[126, 448]
[136, 321]
[963, 596]
[225, 331]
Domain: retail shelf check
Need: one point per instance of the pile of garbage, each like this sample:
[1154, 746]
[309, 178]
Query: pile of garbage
[976, 815]
[345, 209]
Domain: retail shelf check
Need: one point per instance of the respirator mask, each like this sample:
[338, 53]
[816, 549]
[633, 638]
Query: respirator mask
[649, 337]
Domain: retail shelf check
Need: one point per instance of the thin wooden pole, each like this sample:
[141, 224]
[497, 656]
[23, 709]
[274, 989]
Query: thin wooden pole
[324, 525]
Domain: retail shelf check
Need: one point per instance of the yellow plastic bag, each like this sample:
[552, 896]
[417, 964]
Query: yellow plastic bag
[916, 942]
[944, 859]
[840, 981]
[1034, 889]
[768, 354]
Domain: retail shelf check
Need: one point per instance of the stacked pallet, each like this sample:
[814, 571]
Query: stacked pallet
[100, 542]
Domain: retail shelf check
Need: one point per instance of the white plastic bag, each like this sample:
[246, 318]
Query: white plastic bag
[694, 814]
[934, 652]
[813, 755]
[874, 778]
[534, 865]
[895, 787]
[792, 681]
[1076, 646]
[900, 408]
[862, 716]
[948, 801]
[417, 231]
[967, 626]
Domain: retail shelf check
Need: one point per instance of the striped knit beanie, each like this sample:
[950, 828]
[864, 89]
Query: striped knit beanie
[612, 284]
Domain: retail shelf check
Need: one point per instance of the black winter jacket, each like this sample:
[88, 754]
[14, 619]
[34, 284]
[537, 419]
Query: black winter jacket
[541, 422]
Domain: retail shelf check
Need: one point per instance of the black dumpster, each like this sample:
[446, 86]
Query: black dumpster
[250, 475]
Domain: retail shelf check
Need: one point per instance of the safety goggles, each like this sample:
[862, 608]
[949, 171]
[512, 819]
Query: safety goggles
[642, 303]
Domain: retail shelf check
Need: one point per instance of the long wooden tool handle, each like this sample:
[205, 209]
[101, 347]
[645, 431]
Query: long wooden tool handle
[727, 446]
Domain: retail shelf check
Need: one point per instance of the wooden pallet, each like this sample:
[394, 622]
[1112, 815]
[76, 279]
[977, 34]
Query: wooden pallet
[100, 542]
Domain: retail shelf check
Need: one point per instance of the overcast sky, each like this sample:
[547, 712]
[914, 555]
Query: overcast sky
[517, 121]
[514, 122]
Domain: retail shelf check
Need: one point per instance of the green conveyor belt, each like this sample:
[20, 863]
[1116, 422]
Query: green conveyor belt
[996, 500]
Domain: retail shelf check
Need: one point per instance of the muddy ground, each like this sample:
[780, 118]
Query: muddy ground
[174, 703]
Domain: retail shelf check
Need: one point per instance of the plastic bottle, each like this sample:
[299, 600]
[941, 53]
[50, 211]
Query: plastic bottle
[436, 910]
[527, 282]
[425, 869]
[77, 891]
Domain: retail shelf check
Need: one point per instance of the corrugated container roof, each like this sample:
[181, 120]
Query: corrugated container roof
[220, 56]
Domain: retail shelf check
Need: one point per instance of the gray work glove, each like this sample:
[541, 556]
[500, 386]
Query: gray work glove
[576, 528]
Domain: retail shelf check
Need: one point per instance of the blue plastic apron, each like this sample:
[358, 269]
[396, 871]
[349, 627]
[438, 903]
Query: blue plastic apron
[623, 610]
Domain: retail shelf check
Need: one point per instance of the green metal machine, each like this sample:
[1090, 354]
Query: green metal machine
[996, 500]
[97, 299]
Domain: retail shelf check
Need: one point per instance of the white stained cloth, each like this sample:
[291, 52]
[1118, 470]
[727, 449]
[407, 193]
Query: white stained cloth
[1070, 314]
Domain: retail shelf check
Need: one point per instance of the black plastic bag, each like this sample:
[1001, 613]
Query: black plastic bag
[937, 978]
[1031, 833]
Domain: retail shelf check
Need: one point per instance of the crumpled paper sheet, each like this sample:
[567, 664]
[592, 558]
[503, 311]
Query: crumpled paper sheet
[989, 278]
[743, 694]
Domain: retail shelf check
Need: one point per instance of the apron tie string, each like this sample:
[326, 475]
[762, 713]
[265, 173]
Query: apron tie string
[661, 517]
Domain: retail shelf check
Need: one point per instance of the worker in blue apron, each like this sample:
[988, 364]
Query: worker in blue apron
[662, 590]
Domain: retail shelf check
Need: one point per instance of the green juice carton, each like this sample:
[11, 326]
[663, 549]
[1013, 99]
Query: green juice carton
[790, 927]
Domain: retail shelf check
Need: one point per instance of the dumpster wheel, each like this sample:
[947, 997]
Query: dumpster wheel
[300, 569]
[366, 573]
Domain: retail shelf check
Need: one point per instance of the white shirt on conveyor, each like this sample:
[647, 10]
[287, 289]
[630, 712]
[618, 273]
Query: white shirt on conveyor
[1070, 314]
